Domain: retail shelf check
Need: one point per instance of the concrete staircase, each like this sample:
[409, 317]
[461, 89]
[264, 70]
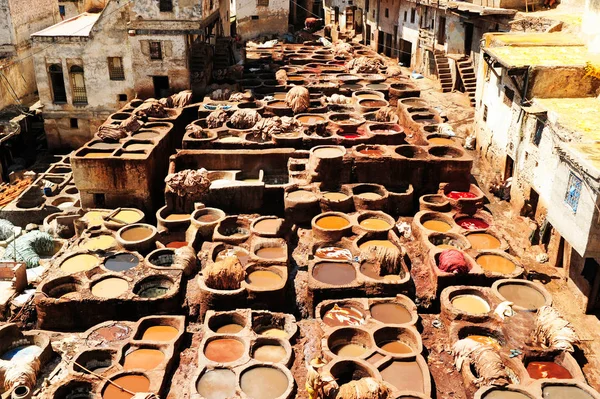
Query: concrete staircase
[443, 71]
[467, 76]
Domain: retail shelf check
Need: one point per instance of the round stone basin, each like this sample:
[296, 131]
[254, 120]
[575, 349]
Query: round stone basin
[472, 304]
[334, 195]
[377, 243]
[310, 119]
[445, 152]
[404, 375]
[390, 313]
[153, 287]
[301, 196]
[371, 151]
[343, 315]
[21, 352]
[264, 279]
[522, 294]
[271, 252]
[131, 382]
[332, 222]
[162, 257]
[147, 134]
[557, 391]
[333, 253]
[447, 240]
[437, 225]
[241, 254]
[160, 333]
[349, 342]
[111, 333]
[144, 359]
[121, 262]
[372, 103]
[136, 233]
[328, 152]
[334, 273]
[470, 223]
[349, 370]
[495, 263]
[110, 287]
[128, 216]
[224, 350]
[102, 242]
[375, 223]
[208, 215]
[369, 196]
[482, 241]
[79, 263]
[268, 351]
[217, 384]
[397, 340]
[541, 369]
[267, 226]
[500, 393]
[264, 382]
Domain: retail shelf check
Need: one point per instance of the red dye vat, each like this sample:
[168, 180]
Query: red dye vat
[460, 195]
[351, 135]
[472, 223]
[177, 244]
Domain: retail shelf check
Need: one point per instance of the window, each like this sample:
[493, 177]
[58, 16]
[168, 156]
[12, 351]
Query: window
[62, 11]
[115, 68]
[405, 16]
[539, 128]
[413, 15]
[509, 96]
[155, 51]
[165, 5]
[262, 3]
[485, 111]
[367, 5]
[74, 123]
[573, 192]
[78, 85]
[99, 200]
[122, 97]
[255, 17]
[57, 81]
[387, 12]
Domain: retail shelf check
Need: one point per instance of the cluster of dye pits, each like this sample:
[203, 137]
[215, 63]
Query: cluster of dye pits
[364, 254]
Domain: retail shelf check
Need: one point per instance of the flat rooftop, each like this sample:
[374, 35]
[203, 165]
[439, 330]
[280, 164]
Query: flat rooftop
[81, 25]
[531, 39]
[548, 56]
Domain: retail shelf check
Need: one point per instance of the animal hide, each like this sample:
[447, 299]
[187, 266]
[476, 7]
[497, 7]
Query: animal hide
[151, 109]
[552, 331]
[364, 65]
[298, 99]
[19, 372]
[227, 274]
[365, 388]
[188, 181]
[385, 114]
[195, 131]
[131, 124]
[244, 118]
[393, 71]
[216, 118]
[267, 127]
[453, 261]
[487, 362]
[111, 133]
[342, 49]
[186, 258]
[281, 76]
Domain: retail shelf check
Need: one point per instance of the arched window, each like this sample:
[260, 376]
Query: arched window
[78, 85]
[57, 81]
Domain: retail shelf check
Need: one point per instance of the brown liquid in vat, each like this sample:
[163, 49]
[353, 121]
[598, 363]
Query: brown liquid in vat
[471, 304]
[269, 353]
[564, 392]
[334, 273]
[217, 384]
[332, 222]
[224, 350]
[133, 383]
[264, 279]
[230, 329]
[343, 316]
[271, 252]
[349, 350]
[391, 313]
[136, 234]
[397, 347]
[496, 264]
[335, 196]
[268, 226]
[437, 225]
[160, 333]
[538, 370]
[264, 383]
[178, 216]
[208, 217]
[522, 295]
[406, 376]
[145, 359]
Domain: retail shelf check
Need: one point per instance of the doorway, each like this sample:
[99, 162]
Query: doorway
[161, 86]
[509, 167]
[359, 21]
[441, 36]
[380, 42]
[405, 52]
[534, 199]
[468, 38]
[388, 45]
[349, 18]
[368, 35]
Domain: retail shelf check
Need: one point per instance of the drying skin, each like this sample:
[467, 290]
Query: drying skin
[365, 388]
[151, 109]
[216, 119]
[111, 134]
[281, 76]
[227, 274]
[19, 371]
[188, 182]
[552, 331]
[195, 131]
[342, 49]
[386, 260]
[364, 65]
[179, 100]
[244, 118]
[131, 124]
[298, 99]
[267, 127]
[486, 360]
[453, 261]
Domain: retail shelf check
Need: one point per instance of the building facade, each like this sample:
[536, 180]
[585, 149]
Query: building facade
[89, 66]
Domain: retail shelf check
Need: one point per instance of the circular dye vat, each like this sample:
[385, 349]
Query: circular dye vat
[230, 329]
[274, 332]
[121, 262]
[334, 273]
[302, 196]
[485, 340]
[375, 224]
[112, 333]
[268, 226]
[332, 222]
[328, 152]
[349, 350]
[538, 370]
[102, 242]
[369, 196]
[372, 103]
[209, 217]
[481, 241]
[217, 384]
[264, 383]
[269, 353]
[372, 152]
[505, 394]
[264, 279]
[79, 263]
[271, 252]
[145, 135]
[145, 359]
[333, 253]
[111, 287]
[455, 195]
[405, 376]
[230, 139]
[21, 352]
[224, 350]
[241, 254]
[437, 225]
[496, 264]
[132, 383]
[472, 304]
[377, 243]
[370, 270]
[139, 147]
[522, 295]
[440, 141]
[160, 333]
[174, 217]
[397, 347]
[564, 392]
[94, 218]
[390, 313]
[472, 224]
[334, 195]
[136, 234]
[128, 216]
[176, 244]
[446, 246]
[343, 316]
[154, 288]
[310, 119]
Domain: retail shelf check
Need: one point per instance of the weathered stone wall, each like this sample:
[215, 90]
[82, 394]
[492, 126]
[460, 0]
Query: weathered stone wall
[7, 39]
[30, 16]
[408, 30]
[272, 19]
[561, 82]
[72, 7]
[182, 9]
